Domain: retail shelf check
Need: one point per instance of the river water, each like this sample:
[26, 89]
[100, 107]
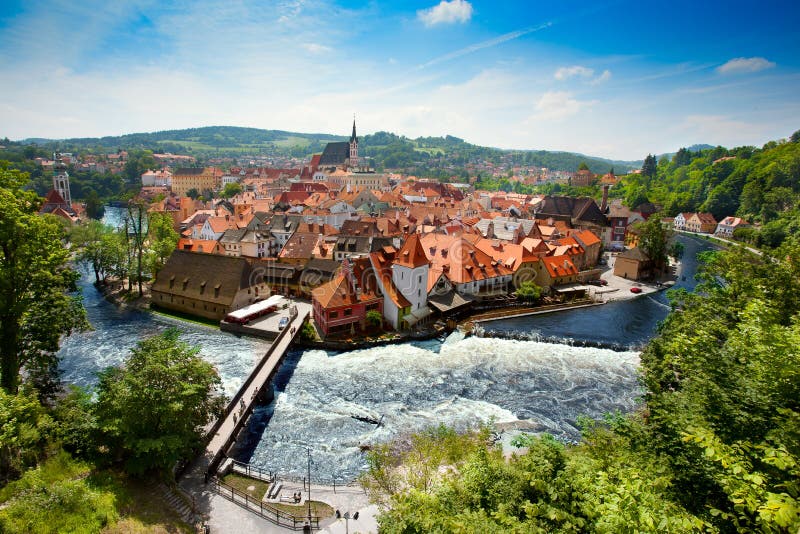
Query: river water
[524, 383]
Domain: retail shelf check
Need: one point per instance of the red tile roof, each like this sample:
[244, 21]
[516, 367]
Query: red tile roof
[411, 254]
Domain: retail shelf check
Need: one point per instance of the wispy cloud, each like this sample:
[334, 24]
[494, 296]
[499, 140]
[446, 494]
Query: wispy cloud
[603, 78]
[315, 48]
[579, 71]
[485, 44]
[446, 12]
[565, 73]
[558, 105]
[743, 65]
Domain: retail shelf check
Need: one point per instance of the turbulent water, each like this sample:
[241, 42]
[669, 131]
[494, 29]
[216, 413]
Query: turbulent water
[540, 386]
[519, 383]
[116, 331]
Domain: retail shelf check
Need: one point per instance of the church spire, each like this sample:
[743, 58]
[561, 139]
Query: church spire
[353, 137]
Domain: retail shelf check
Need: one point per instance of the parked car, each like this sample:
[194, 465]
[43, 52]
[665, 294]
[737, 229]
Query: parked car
[285, 321]
[595, 282]
[636, 290]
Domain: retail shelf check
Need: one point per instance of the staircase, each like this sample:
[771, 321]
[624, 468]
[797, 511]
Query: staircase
[180, 503]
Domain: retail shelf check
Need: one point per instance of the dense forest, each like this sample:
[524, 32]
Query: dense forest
[761, 185]
[715, 446]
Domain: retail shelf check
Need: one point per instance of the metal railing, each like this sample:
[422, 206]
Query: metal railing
[262, 509]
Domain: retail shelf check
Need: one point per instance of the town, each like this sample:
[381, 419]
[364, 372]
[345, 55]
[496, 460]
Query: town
[375, 251]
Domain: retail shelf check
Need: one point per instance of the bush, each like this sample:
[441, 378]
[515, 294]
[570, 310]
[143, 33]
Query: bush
[528, 291]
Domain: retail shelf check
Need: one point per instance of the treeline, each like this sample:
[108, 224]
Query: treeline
[714, 448]
[761, 185]
[68, 457]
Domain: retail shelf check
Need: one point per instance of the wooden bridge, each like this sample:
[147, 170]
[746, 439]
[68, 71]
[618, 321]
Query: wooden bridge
[258, 385]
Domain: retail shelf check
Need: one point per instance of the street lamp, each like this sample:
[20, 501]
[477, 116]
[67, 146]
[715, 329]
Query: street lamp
[347, 517]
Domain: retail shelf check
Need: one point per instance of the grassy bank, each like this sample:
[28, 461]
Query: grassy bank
[66, 495]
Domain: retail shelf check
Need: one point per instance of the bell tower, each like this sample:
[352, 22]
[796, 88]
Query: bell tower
[61, 179]
[354, 146]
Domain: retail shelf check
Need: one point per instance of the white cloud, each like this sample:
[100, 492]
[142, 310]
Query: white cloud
[315, 48]
[565, 73]
[741, 65]
[603, 78]
[446, 13]
[558, 105]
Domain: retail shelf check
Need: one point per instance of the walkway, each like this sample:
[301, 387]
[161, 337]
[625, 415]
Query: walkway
[241, 406]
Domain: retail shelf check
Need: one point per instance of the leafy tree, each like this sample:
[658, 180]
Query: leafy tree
[528, 291]
[35, 309]
[654, 240]
[583, 166]
[636, 197]
[151, 412]
[231, 190]
[94, 206]
[374, 319]
[162, 240]
[193, 193]
[25, 429]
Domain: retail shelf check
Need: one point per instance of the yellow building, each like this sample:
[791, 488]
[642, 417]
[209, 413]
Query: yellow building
[200, 178]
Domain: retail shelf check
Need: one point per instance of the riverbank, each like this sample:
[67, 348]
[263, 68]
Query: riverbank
[115, 291]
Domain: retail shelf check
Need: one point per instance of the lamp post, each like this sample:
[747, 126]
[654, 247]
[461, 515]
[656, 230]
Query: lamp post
[347, 517]
[308, 499]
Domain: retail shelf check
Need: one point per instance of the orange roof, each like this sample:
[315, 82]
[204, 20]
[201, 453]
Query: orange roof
[510, 255]
[559, 266]
[340, 292]
[587, 237]
[411, 254]
[198, 245]
[460, 260]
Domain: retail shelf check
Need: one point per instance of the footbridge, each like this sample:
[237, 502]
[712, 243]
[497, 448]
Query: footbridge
[258, 386]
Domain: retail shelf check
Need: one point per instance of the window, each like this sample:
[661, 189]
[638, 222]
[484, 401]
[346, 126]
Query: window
[348, 312]
[419, 279]
[333, 315]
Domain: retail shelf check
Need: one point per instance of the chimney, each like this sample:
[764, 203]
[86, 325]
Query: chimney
[604, 204]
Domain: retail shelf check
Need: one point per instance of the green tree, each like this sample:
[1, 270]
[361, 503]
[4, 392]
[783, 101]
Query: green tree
[25, 430]
[162, 240]
[193, 193]
[583, 166]
[231, 190]
[151, 412]
[528, 291]
[654, 240]
[649, 166]
[94, 206]
[374, 319]
[35, 309]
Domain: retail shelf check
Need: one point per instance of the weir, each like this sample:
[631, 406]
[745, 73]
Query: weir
[257, 387]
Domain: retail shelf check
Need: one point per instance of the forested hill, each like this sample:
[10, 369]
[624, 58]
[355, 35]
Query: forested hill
[761, 185]
[425, 155]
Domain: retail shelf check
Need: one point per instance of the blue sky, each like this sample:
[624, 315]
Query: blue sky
[617, 79]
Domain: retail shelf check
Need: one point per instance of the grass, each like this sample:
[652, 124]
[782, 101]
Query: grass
[183, 316]
[243, 483]
[66, 495]
[299, 511]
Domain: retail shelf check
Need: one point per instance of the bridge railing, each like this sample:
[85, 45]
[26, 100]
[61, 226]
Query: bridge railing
[240, 393]
[262, 509]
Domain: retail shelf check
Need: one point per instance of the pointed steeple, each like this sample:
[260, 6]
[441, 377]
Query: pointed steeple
[353, 137]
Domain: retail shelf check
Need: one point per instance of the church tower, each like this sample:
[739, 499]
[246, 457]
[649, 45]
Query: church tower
[61, 179]
[354, 147]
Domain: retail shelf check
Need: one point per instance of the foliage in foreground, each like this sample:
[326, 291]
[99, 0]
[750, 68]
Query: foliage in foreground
[152, 411]
[716, 448]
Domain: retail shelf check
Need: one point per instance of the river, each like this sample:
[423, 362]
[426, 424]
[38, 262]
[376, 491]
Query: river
[528, 382]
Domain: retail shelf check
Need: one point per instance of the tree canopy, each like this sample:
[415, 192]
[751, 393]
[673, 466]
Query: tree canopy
[35, 306]
[151, 411]
[715, 447]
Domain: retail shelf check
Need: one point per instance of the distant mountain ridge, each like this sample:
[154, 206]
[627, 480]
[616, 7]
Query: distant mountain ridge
[388, 149]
